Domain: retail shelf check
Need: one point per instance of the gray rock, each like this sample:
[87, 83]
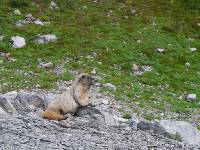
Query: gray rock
[134, 122]
[28, 99]
[139, 70]
[135, 68]
[188, 133]
[30, 18]
[6, 104]
[109, 119]
[110, 86]
[3, 114]
[191, 97]
[18, 42]
[90, 111]
[147, 68]
[39, 22]
[45, 65]
[41, 39]
[21, 23]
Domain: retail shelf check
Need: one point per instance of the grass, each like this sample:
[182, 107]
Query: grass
[112, 31]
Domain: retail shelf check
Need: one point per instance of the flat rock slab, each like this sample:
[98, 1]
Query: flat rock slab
[188, 133]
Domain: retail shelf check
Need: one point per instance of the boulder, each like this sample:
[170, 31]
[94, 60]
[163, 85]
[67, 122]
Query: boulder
[30, 100]
[3, 114]
[18, 42]
[188, 133]
[6, 105]
[41, 39]
[191, 97]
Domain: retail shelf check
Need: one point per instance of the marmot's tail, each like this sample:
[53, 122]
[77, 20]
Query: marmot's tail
[52, 116]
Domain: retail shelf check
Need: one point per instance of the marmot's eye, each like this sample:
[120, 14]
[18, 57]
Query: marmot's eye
[83, 77]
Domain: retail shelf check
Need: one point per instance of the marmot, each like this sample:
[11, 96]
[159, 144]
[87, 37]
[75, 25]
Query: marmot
[69, 101]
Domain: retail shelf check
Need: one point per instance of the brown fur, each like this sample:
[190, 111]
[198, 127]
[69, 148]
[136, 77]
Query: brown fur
[69, 101]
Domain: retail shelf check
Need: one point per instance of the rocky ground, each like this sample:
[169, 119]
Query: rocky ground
[96, 127]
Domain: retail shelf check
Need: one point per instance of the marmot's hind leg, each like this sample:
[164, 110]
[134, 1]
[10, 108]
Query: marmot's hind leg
[53, 116]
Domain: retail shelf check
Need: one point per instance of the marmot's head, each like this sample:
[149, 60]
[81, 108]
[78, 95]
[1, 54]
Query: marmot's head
[81, 87]
[85, 80]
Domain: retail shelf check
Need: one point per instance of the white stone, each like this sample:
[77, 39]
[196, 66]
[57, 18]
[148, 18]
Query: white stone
[135, 68]
[193, 49]
[18, 42]
[110, 86]
[191, 97]
[1, 37]
[160, 50]
[39, 22]
[46, 38]
[45, 65]
[93, 71]
[53, 5]
[3, 114]
[147, 68]
[17, 12]
[188, 133]
[139, 41]
[29, 16]
[187, 64]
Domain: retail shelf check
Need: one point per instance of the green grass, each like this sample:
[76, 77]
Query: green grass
[104, 28]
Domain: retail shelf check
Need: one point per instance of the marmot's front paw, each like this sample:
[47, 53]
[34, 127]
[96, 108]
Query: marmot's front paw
[90, 105]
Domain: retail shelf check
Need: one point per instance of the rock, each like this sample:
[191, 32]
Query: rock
[160, 50]
[1, 38]
[134, 123]
[188, 133]
[21, 23]
[30, 18]
[90, 111]
[109, 119]
[104, 101]
[17, 12]
[41, 39]
[3, 114]
[93, 71]
[135, 68]
[6, 104]
[39, 22]
[45, 65]
[146, 68]
[110, 86]
[18, 42]
[139, 70]
[187, 64]
[26, 99]
[193, 49]
[53, 5]
[191, 97]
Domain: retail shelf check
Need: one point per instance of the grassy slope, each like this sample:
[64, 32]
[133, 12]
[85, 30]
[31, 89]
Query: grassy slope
[84, 27]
